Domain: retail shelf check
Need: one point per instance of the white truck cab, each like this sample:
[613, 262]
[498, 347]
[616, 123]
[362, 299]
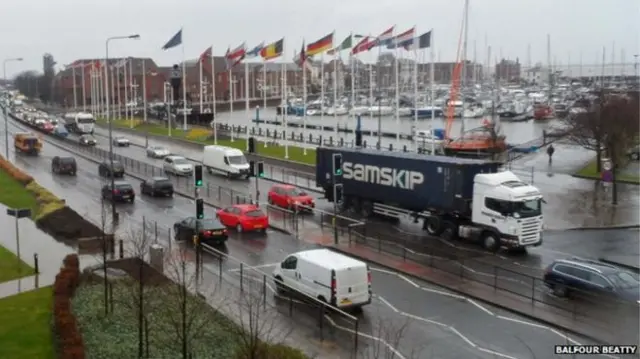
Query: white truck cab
[227, 161]
[327, 276]
[507, 207]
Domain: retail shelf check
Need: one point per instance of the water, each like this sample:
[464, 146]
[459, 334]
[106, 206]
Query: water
[516, 132]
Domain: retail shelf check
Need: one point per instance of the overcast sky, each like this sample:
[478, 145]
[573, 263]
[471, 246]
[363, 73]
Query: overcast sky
[72, 29]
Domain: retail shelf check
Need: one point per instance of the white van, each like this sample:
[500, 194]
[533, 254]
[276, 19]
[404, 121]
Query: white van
[227, 161]
[328, 276]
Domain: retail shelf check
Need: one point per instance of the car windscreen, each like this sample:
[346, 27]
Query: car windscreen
[294, 192]
[180, 161]
[255, 213]
[237, 160]
[124, 186]
[67, 161]
[210, 224]
[30, 141]
[163, 183]
[117, 164]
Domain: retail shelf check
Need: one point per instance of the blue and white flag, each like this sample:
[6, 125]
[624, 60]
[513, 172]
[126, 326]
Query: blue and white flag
[254, 52]
[176, 40]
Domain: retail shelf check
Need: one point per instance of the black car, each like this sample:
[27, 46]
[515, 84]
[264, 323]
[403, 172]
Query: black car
[157, 186]
[210, 231]
[105, 169]
[64, 165]
[87, 140]
[121, 192]
[584, 277]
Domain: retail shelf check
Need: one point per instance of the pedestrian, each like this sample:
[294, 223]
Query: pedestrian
[550, 151]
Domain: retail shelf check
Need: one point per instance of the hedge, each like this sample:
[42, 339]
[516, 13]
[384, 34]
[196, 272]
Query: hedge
[65, 325]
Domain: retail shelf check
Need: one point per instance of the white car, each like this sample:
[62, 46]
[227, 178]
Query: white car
[121, 141]
[157, 152]
[87, 140]
[177, 165]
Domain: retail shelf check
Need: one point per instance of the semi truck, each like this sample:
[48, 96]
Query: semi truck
[80, 123]
[456, 198]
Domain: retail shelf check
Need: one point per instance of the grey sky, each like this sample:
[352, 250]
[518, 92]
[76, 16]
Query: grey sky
[71, 29]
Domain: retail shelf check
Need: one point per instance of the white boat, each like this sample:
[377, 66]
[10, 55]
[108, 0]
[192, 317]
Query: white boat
[359, 110]
[381, 110]
[340, 110]
[405, 111]
[473, 112]
[427, 137]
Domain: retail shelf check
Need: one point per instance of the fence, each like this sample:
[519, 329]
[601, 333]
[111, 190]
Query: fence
[460, 267]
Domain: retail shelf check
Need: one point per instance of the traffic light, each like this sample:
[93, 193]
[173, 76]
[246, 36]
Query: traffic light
[337, 164]
[199, 208]
[337, 193]
[252, 145]
[260, 169]
[252, 168]
[198, 176]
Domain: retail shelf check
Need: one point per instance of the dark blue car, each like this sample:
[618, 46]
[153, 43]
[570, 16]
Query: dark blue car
[586, 277]
[121, 192]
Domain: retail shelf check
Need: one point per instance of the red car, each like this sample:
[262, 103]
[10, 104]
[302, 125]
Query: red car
[48, 127]
[244, 217]
[291, 197]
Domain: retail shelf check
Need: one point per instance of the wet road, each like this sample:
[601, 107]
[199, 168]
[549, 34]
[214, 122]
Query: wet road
[388, 308]
[557, 244]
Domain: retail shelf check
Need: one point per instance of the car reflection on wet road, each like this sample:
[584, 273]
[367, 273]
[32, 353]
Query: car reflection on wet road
[398, 302]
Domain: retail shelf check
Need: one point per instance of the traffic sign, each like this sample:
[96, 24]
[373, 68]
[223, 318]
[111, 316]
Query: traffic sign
[19, 212]
[606, 165]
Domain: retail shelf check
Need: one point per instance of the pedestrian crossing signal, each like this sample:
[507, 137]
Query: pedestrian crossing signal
[261, 169]
[337, 164]
[198, 175]
[200, 208]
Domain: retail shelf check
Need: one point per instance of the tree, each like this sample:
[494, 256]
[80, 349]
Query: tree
[586, 128]
[385, 341]
[34, 85]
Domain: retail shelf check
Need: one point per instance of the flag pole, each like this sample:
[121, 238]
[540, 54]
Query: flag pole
[119, 91]
[304, 95]
[231, 91]
[132, 97]
[246, 100]
[126, 93]
[284, 97]
[335, 89]
[184, 90]
[100, 89]
[91, 92]
[200, 84]
[75, 96]
[84, 90]
[415, 84]
[264, 93]
[321, 95]
[110, 83]
[213, 95]
[397, 77]
[432, 87]
[144, 92]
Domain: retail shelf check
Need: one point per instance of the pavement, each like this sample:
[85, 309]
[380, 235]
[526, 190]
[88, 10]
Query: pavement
[265, 252]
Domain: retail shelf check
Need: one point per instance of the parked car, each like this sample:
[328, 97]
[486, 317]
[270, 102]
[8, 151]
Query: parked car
[328, 276]
[106, 170]
[290, 197]
[177, 165]
[584, 277]
[64, 165]
[244, 217]
[157, 186]
[120, 141]
[157, 152]
[210, 231]
[87, 140]
[121, 192]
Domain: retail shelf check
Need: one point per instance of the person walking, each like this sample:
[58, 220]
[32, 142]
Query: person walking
[550, 151]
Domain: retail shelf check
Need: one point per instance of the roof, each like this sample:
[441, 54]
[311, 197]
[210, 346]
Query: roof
[587, 263]
[223, 148]
[246, 207]
[326, 258]
[413, 155]
[136, 65]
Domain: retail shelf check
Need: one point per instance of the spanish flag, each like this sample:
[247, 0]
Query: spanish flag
[320, 46]
[272, 50]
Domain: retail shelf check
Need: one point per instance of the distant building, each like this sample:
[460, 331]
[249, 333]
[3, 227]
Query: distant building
[48, 64]
[508, 70]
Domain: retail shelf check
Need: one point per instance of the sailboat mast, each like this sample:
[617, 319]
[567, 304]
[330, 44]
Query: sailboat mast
[550, 67]
[464, 44]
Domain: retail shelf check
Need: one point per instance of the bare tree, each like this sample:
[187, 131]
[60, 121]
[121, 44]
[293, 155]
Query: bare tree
[258, 325]
[181, 305]
[586, 129]
[386, 339]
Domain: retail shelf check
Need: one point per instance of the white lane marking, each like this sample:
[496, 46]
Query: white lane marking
[409, 281]
[388, 304]
[413, 316]
[467, 340]
[253, 267]
[495, 353]
[477, 305]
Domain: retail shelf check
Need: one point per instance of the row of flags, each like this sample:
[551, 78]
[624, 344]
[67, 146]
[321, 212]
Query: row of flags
[405, 40]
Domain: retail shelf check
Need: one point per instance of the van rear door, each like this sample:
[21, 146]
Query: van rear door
[352, 286]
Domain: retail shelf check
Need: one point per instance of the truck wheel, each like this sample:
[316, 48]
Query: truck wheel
[434, 226]
[450, 232]
[490, 242]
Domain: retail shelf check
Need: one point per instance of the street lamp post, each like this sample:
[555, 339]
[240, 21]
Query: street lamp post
[106, 90]
[4, 108]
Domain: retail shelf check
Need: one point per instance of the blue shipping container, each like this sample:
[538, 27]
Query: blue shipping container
[408, 180]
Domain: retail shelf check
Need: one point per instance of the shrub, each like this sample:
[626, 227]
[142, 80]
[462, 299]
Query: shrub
[15, 172]
[65, 326]
[47, 201]
[198, 134]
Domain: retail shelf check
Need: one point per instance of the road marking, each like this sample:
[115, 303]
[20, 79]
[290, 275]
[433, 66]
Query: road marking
[388, 304]
[409, 281]
[413, 316]
[446, 294]
[463, 337]
[495, 353]
[480, 306]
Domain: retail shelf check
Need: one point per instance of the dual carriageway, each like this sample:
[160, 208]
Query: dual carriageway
[433, 322]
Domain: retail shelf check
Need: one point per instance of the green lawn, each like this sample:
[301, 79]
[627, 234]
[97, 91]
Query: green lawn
[25, 332]
[11, 267]
[296, 154]
[591, 171]
[14, 195]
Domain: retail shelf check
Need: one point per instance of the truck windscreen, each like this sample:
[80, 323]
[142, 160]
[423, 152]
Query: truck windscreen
[85, 120]
[526, 209]
[30, 142]
[237, 160]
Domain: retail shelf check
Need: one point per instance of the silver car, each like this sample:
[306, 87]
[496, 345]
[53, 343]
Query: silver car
[120, 141]
[157, 152]
[177, 165]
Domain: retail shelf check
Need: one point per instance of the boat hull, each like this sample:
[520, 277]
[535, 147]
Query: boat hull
[428, 113]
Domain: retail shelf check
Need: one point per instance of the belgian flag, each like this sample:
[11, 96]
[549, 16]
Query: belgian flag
[272, 50]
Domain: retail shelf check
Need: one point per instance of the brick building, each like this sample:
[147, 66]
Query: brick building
[508, 70]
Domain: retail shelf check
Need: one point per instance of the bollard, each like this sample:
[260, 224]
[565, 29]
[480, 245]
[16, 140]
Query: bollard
[404, 148]
[310, 138]
[378, 145]
[121, 250]
[330, 140]
[391, 147]
[320, 143]
[364, 144]
[36, 267]
[341, 142]
[267, 132]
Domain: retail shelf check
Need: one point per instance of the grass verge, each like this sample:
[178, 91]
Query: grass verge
[25, 332]
[13, 194]
[590, 170]
[11, 267]
[203, 136]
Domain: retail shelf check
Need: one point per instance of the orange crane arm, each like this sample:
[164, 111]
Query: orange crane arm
[455, 83]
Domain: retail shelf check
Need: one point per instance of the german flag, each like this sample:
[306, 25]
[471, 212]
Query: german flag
[320, 46]
[272, 50]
